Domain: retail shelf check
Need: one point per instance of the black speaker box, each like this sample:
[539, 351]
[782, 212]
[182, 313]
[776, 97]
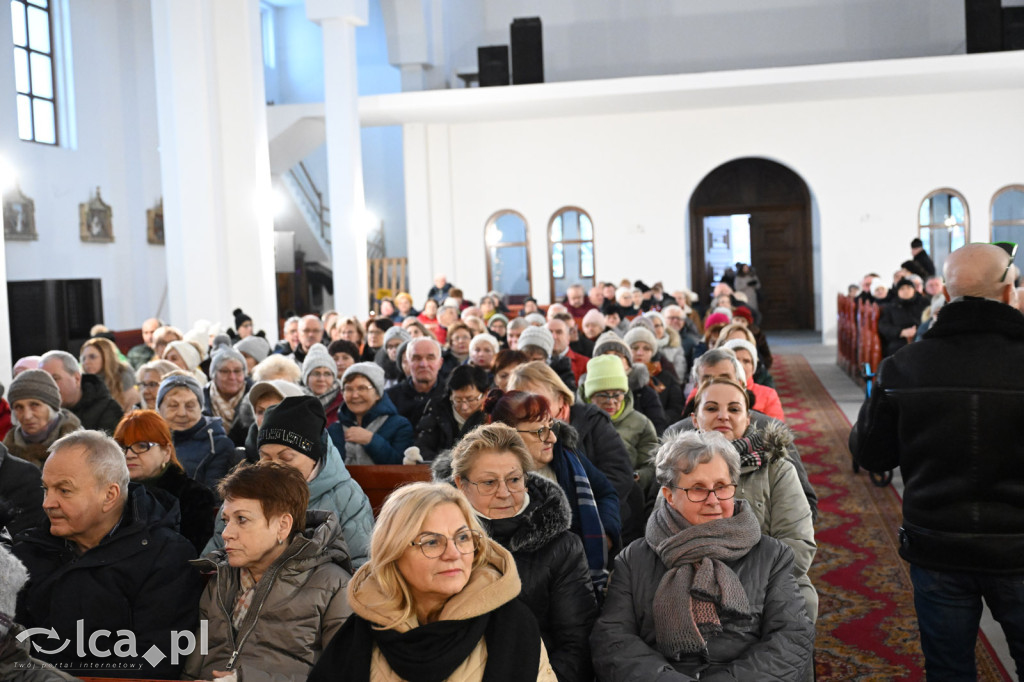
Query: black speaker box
[52, 314]
[527, 51]
[492, 65]
[1013, 28]
[984, 25]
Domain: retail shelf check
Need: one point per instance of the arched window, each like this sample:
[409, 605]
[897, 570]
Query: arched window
[1008, 215]
[508, 255]
[944, 224]
[571, 250]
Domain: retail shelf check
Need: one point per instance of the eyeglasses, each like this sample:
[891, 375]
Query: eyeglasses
[466, 401]
[609, 396]
[150, 384]
[541, 433]
[1011, 250]
[722, 492]
[514, 484]
[225, 371]
[139, 448]
[361, 390]
[433, 545]
[323, 374]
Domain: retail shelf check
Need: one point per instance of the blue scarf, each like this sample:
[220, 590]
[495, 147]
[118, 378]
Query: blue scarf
[572, 478]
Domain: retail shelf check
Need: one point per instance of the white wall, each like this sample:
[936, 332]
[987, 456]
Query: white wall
[588, 39]
[117, 151]
[868, 162]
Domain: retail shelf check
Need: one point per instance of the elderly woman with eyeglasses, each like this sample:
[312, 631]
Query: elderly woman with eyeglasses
[224, 395]
[369, 429]
[448, 417]
[703, 595]
[592, 499]
[320, 377]
[530, 516]
[436, 601]
[149, 452]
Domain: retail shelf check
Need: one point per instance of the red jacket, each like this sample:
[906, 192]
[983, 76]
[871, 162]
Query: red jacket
[5, 418]
[579, 364]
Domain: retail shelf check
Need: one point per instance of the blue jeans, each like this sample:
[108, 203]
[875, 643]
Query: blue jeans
[948, 612]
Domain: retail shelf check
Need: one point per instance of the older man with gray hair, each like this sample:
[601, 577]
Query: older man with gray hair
[110, 566]
[85, 395]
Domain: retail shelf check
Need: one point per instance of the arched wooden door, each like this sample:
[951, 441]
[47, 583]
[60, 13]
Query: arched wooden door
[775, 202]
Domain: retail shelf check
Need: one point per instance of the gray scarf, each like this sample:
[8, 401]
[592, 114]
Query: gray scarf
[356, 453]
[698, 587]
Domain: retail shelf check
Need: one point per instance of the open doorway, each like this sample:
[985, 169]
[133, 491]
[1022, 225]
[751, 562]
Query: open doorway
[756, 211]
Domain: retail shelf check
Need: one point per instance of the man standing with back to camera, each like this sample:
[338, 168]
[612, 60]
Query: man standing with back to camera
[945, 411]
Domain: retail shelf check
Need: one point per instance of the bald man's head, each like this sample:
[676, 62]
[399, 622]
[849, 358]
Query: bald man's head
[979, 270]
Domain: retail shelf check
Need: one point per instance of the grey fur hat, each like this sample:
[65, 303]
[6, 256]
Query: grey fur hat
[222, 354]
[255, 347]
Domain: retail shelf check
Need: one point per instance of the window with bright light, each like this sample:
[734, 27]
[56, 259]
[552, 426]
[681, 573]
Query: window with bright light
[32, 24]
[571, 250]
[508, 255]
[944, 224]
[1008, 217]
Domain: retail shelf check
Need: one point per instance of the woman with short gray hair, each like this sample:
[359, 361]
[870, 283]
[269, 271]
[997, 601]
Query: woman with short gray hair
[703, 593]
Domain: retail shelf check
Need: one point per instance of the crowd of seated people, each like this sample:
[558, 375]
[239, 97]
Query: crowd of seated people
[578, 449]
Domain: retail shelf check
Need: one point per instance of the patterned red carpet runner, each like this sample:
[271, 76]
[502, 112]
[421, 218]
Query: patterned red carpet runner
[866, 626]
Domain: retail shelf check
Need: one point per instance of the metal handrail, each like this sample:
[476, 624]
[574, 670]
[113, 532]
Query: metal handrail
[315, 198]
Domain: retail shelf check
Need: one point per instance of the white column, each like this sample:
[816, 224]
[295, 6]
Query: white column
[214, 161]
[338, 20]
[5, 319]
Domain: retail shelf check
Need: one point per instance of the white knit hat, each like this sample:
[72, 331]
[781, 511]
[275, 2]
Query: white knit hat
[188, 352]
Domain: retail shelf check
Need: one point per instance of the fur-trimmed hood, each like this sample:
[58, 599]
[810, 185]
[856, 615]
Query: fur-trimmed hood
[547, 516]
[772, 440]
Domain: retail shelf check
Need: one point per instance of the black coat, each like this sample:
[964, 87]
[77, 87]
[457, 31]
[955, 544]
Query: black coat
[96, 409]
[21, 493]
[409, 402]
[895, 316]
[563, 368]
[555, 576]
[438, 431]
[197, 503]
[138, 579]
[943, 410]
[925, 261]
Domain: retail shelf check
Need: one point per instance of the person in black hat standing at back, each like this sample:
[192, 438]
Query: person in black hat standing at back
[922, 258]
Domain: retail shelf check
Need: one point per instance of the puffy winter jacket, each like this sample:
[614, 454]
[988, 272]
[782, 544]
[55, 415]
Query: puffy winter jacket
[333, 490]
[389, 441]
[21, 493]
[298, 607]
[638, 435]
[205, 451]
[556, 580]
[774, 644]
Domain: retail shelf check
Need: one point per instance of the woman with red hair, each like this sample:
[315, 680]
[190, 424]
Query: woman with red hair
[149, 452]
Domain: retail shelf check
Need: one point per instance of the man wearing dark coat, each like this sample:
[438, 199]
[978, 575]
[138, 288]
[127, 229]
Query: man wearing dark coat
[85, 395]
[944, 410]
[109, 571]
[922, 258]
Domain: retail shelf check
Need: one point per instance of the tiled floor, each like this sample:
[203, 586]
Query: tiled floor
[849, 396]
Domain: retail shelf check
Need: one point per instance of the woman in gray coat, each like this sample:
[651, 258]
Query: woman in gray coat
[704, 594]
[277, 594]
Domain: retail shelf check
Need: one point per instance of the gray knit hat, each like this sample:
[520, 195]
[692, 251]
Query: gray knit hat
[188, 352]
[610, 342]
[373, 372]
[489, 340]
[396, 332]
[641, 335]
[536, 319]
[317, 357]
[537, 336]
[179, 381]
[37, 384]
[224, 353]
[256, 347]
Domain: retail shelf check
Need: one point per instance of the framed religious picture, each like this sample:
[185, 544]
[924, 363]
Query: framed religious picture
[96, 220]
[155, 224]
[19, 216]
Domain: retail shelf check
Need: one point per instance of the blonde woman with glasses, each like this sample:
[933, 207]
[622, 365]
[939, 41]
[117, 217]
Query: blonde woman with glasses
[436, 601]
[530, 516]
